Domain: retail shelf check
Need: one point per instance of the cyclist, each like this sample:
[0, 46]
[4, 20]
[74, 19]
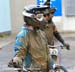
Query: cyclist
[46, 26]
[51, 30]
[32, 39]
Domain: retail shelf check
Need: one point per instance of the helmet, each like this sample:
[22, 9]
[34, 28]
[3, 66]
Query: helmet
[50, 10]
[34, 11]
[28, 11]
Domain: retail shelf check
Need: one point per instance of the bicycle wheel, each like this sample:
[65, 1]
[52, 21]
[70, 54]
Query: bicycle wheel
[60, 69]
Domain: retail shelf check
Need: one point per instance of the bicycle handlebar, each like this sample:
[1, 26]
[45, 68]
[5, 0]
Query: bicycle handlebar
[33, 69]
[55, 46]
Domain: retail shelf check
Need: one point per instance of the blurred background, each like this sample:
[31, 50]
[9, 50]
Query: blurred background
[11, 18]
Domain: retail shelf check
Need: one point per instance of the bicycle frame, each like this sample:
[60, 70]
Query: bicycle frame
[55, 54]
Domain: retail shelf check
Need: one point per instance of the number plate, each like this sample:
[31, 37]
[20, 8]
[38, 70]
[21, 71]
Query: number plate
[54, 52]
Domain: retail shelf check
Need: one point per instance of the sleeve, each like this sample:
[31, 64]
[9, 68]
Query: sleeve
[57, 35]
[21, 42]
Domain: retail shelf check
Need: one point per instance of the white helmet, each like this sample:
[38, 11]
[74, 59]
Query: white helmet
[34, 11]
[28, 11]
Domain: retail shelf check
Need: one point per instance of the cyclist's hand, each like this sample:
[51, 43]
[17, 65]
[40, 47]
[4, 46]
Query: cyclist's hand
[67, 46]
[16, 62]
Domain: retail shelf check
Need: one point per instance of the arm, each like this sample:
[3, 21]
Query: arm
[21, 45]
[56, 34]
[58, 37]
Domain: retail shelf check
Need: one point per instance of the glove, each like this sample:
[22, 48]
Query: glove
[67, 46]
[16, 62]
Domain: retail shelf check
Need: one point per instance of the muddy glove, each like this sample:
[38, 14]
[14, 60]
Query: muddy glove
[67, 46]
[16, 62]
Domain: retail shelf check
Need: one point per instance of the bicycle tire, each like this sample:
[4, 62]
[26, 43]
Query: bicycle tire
[60, 69]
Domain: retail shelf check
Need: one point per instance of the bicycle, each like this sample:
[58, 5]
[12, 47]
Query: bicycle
[54, 53]
[55, 61]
